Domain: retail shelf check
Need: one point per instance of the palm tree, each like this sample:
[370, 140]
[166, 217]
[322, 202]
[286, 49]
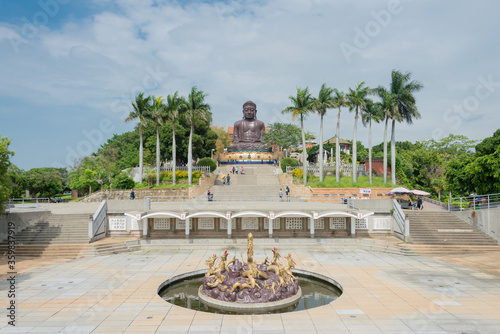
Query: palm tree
[301, 105]
[356, 100]
[389, 110]
[172, 107]
[340, 102]
[158, 114]
[140, 112]
[402, 89]
[324, 101]
[373, 112]
[195, 108]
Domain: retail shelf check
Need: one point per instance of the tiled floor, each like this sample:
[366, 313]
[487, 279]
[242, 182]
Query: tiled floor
[383, 293]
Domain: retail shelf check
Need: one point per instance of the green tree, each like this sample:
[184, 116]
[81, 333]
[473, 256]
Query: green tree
[302, 104]
[141, 108]
[452, 147]
[402, 89]
[45, 182]
[324, 101]
[339, 101]
[122, 181]
[389, 108]
[194, 108]
[5, 181]
[172, 106]
[223, 138]
[158, 115]
[284, 135]
[373, 112]
[19, 183]
[91, 173]
[356, 100]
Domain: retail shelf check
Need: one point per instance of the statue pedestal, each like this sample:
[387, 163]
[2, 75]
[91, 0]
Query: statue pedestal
[248, 157]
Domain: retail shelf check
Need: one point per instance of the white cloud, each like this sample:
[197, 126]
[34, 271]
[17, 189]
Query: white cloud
[235, 51]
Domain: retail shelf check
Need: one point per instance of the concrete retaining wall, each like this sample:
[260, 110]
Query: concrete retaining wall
[487, 220]
[203, 185]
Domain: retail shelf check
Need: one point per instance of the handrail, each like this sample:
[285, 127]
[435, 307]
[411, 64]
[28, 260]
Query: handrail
[220, 202]
[474, 202]
[399, 218]
[97, 226]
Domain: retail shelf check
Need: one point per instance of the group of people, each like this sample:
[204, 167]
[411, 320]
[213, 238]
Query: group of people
[418, 205]
[237, 169]
[287, 193]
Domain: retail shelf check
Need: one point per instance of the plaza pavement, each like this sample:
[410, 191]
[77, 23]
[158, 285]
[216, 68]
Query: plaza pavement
[383, 293]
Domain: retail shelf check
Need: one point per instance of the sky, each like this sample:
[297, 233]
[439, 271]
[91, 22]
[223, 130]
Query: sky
[70, 69]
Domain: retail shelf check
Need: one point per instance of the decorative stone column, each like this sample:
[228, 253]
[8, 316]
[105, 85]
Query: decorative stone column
[187, 227]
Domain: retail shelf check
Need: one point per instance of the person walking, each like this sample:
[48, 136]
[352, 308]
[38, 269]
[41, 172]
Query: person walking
[233, 169]
[419, 203]
[228, 179]
[132, 194]
[287, 192]
[281, 194]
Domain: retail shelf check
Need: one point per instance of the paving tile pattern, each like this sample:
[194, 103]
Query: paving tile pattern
[383, 293]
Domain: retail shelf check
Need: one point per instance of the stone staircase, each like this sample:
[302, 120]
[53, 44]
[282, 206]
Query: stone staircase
[445, 230]
[62, 235]
[258, 180]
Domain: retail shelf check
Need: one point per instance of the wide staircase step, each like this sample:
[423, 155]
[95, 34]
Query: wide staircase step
[58, 235]
[258, 180]
[442, 228]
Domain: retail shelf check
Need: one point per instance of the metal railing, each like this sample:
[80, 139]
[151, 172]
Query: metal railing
[344, 170]
[474, 202]
[205, 169]
[231, 203]
[28, 203]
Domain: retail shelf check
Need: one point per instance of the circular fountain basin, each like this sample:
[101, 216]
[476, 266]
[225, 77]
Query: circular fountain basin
[315, 290]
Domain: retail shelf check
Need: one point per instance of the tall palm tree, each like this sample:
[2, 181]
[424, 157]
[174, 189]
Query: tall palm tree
[324, 101]
[356, 100]
[402, 89]
[389, 109]
[173, 106]
[158, 115]
[340, 102]
[373, 112]
[195, 108]
[141, 112]
[302, 104]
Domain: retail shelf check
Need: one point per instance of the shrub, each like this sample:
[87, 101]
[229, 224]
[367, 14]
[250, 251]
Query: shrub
[288, 162]
[208, 162]
[123, 181]
[196, 175]
[298, 173]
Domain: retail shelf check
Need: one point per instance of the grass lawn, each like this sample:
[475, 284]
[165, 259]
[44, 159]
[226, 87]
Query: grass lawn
[346, 182]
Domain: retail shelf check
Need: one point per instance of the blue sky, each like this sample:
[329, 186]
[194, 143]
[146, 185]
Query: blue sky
[70, 68]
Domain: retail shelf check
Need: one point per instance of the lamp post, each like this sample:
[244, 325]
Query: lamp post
[212, 153]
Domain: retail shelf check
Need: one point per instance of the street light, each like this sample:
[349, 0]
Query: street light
[212, 153]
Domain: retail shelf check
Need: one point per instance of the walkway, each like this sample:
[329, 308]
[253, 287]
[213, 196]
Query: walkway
[383, 293]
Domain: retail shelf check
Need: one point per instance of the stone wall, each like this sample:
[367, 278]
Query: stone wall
[203, 185]
[377, 193]
[295, 189]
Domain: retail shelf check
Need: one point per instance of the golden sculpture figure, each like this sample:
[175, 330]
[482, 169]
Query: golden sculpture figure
[249, 274]
[210, 262]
